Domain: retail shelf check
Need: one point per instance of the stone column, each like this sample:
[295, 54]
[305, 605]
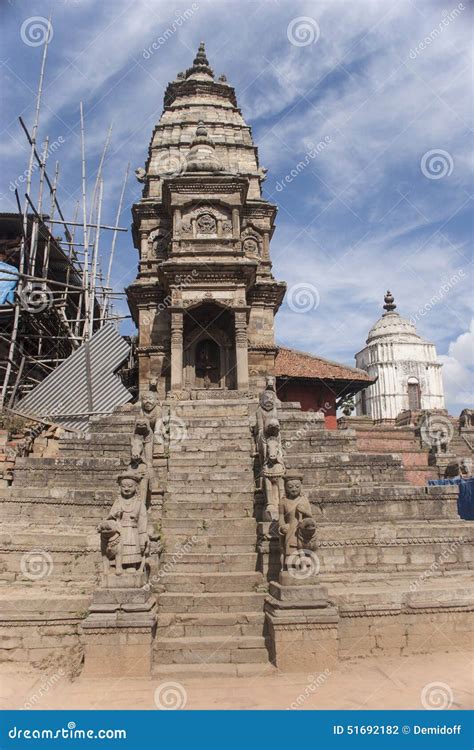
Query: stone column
[241, 351]
[177, 350]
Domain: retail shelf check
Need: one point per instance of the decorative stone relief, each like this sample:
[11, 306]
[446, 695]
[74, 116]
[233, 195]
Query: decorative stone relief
[206, 223]
[251, 242]
[158, 241]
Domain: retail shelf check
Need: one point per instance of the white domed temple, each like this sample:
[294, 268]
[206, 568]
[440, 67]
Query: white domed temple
[405, 366]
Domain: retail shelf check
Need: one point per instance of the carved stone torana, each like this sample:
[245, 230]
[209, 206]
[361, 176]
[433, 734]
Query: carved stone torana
[124, 535]
[296, 524]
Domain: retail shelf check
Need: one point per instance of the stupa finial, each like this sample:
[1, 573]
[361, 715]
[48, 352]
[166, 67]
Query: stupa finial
[389, 300]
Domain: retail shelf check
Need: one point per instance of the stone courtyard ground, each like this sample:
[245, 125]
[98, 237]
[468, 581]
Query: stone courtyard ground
[377, 683]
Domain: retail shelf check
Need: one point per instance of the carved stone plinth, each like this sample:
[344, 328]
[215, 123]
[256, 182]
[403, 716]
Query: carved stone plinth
[301, 625]
[119, 629]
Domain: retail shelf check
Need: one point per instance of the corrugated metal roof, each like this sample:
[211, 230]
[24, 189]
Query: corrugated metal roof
[86, 382]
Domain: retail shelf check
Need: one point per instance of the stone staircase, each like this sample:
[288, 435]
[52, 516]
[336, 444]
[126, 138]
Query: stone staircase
[396, 559]
[210, 610]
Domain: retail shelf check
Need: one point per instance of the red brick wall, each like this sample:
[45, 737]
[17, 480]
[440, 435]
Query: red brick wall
[311, 397]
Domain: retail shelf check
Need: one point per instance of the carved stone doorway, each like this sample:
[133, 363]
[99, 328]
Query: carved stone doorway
[208, 364]
[209, 359]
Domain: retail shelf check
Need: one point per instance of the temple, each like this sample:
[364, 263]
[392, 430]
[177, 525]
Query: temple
[205, 298]
[225, 523]
[404, 367]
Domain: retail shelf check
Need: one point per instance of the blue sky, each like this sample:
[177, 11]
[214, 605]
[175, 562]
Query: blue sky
[384, 86]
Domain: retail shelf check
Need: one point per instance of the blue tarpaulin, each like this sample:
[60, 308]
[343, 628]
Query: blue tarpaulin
[465, 495]
[438, 482]
[466, 499]
[8, 283]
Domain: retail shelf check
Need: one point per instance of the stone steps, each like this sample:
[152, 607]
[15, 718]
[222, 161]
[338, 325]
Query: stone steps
[198, 671]
[213, 603]
[233, 526]
[215, 509]
[180, 487]
[203, 562]
[218, 582]
[187, 463]
[215, 543]
[211, 608]
[228, 649]
[224, 446]
[202, 625]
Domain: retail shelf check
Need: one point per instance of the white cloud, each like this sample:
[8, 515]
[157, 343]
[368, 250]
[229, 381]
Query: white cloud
[458, 370]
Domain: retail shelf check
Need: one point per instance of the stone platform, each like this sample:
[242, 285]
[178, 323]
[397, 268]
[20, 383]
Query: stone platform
[395, 559]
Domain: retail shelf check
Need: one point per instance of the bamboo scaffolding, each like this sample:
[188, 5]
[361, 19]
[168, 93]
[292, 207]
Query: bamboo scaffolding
[68, 271]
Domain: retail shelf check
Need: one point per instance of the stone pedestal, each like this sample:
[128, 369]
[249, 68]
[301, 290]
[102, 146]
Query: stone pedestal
[119, 629]
[302, 625]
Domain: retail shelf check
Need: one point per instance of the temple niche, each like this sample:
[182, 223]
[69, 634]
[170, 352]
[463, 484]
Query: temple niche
[205, 299]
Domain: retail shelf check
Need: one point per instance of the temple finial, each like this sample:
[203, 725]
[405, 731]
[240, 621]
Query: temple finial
[389, 300]
[200, 64]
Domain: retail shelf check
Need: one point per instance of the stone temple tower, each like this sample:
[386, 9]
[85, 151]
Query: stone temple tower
[406, 368]
[205, 298]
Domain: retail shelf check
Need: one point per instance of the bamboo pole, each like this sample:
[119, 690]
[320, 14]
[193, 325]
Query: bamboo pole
[112, 247]
[16, 319]
[86, 330]
[96, 247]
